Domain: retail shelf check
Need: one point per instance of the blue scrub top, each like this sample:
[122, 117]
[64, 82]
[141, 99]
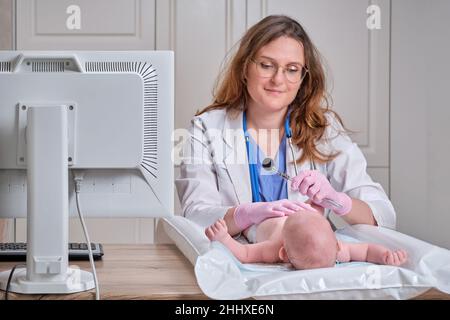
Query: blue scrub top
[271, 186]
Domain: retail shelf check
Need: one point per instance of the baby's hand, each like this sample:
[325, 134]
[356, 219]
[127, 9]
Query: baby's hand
[394, 257]
[217, 231]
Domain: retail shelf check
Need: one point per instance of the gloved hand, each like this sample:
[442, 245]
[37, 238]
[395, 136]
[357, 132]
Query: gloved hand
[247, 214]
[317, 187]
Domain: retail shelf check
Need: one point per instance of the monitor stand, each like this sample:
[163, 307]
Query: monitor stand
[47, 269]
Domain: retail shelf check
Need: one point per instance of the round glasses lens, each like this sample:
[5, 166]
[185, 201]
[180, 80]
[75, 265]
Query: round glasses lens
[269, 69]
[266, 70]
[294, 75]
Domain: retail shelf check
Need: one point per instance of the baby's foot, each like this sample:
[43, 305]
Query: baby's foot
[217, 231]
[395, 257]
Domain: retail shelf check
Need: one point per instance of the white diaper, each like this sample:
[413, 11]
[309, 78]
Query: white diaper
[251, 233]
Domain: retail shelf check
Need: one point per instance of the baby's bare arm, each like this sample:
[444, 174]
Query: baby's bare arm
[265, 251]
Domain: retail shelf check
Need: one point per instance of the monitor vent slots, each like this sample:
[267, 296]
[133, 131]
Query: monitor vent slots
[150, 80]
[5, 66]
[47, 66]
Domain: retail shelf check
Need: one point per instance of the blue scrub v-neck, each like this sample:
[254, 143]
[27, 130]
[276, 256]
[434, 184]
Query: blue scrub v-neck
[271, 186]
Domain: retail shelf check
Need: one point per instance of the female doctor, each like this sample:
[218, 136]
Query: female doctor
[271, 102]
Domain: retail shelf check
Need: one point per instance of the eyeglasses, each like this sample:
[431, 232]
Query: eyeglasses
[268, 69]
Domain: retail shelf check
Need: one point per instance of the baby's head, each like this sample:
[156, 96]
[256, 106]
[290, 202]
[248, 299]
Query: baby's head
[309, 241]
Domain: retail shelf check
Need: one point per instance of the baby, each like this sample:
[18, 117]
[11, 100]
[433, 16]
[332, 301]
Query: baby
[306, 240]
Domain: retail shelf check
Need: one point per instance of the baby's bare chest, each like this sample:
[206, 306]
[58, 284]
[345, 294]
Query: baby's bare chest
[270, 229]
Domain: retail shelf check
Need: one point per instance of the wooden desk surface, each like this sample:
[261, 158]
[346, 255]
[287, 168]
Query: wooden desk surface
[134, 272]
[145, 272]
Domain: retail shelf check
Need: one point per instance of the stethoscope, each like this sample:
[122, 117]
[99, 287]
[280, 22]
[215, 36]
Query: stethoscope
[256, 197]
[253, 166]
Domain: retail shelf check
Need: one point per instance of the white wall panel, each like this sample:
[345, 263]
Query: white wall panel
[420, 118]
[200, 32]
[104, 25]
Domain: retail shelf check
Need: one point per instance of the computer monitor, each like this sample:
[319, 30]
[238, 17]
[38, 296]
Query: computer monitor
[109, 115]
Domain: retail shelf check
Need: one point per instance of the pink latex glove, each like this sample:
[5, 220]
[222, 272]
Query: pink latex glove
[317, 187]
[247, 214]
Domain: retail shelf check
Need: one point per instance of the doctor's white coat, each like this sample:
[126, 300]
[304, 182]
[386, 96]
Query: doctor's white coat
[214, 172]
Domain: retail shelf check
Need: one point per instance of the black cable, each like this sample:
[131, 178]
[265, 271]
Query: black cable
[8, 284]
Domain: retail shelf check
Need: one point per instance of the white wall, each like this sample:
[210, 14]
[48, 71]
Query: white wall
[420, 118]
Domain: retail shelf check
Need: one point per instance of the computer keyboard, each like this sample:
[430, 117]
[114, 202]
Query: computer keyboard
[17, 251]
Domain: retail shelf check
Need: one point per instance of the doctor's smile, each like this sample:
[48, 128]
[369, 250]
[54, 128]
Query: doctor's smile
[274, 92]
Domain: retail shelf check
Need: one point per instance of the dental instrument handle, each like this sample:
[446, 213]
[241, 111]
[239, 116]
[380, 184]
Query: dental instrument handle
[284, 176]
[329, 201]
[333, 203]
[269, 166]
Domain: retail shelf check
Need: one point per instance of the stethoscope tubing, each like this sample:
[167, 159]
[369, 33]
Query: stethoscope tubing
[252, 166]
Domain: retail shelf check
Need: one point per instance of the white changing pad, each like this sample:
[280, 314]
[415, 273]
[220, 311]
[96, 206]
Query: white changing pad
[221, 276]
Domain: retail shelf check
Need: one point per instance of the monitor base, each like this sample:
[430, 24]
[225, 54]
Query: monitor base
[76, 280]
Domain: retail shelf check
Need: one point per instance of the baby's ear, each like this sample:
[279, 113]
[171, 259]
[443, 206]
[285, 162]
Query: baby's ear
[282, 254]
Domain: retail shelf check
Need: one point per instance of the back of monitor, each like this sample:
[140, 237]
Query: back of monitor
[127, 163]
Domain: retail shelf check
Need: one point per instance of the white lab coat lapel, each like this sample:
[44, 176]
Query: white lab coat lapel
[235, 157]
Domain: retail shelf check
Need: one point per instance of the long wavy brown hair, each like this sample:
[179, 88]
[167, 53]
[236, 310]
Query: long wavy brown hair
[308, 121]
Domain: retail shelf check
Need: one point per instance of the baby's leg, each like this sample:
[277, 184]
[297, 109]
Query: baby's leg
[376, 253]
